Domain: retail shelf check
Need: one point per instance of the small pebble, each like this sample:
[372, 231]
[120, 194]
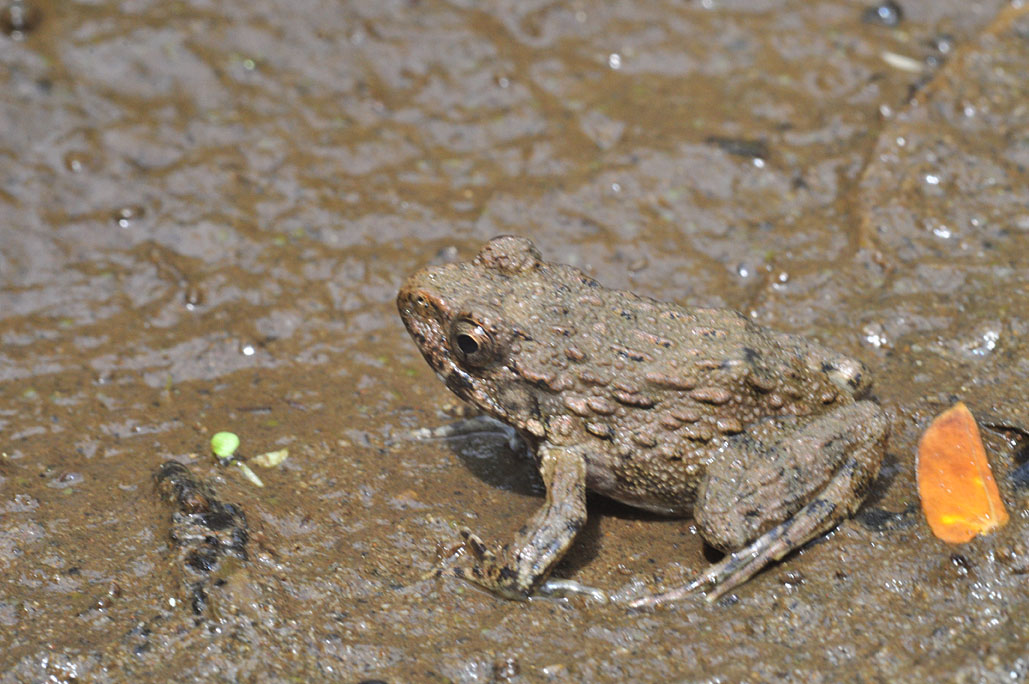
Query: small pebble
[66, 479]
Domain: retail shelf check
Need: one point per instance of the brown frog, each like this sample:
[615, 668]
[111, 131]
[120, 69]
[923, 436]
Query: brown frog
[761, 435]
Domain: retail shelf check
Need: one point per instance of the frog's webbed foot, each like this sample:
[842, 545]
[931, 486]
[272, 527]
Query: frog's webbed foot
[484, 569]
[517, 570]
[767, 500]
[492, 570]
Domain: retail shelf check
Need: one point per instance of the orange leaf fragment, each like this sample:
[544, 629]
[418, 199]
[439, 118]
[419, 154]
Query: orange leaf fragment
[958, 492]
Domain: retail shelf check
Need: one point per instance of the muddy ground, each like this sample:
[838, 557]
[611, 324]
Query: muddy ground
[206, 210]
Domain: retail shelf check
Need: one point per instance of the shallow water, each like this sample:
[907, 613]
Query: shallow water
[208, 209]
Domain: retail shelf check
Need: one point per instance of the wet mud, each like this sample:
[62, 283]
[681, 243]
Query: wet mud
[206, 211]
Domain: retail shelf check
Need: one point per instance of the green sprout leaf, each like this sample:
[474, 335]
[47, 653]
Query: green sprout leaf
[224, 444]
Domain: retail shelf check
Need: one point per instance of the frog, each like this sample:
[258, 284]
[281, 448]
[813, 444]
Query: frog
[767, 439]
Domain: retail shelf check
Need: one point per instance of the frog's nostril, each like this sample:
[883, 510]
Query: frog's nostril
[418, 302]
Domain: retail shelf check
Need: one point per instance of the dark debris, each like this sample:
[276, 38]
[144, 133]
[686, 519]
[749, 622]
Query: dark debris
[203, 529]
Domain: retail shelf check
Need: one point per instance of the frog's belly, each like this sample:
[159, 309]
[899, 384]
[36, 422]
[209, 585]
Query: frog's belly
[661, 488]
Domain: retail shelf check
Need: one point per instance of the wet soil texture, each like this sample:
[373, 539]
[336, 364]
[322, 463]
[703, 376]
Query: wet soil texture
[206, 210]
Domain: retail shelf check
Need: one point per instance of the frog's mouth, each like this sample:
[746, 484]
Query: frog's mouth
[471, 389]
[461, 383]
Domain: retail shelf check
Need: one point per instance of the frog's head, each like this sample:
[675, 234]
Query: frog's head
[470, 322]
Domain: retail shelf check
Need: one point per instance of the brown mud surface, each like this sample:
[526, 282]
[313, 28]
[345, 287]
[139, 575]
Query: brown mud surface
[206, 210]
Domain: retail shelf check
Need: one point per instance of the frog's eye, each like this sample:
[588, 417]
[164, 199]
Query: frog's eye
[471, 343]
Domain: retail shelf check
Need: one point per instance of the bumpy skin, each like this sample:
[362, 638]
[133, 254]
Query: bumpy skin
[760, 435]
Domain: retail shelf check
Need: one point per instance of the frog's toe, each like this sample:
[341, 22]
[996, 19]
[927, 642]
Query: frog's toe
[564, 588]
[474, 562]
[493, 577]
[664, 598]
[476, 546]
[485, 567]
[468, 572]
[706, 579]
[739, 566]
[731, 571]
[718, 579]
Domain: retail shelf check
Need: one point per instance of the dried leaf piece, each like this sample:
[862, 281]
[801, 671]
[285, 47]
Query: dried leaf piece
[959, 496]
[249, 474]
[271, 459]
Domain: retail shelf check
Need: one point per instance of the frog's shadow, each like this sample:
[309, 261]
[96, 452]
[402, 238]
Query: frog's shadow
[490, 458]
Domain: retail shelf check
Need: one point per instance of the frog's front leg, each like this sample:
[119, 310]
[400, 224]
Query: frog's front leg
[517, 569]
[759, 502]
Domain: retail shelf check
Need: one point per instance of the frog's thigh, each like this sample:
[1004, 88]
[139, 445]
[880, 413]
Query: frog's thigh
[754, 486]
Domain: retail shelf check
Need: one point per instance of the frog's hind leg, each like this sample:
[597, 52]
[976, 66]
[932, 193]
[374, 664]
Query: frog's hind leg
[814, 519]
[762, 501]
